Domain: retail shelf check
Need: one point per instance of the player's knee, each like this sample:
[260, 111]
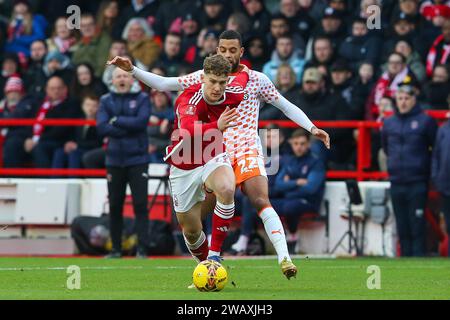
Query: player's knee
[225, 193]
[191, 235]
[260, 203]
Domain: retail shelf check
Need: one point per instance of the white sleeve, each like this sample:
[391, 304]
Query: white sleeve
[156, 81]
[293, 112]
[270, 94]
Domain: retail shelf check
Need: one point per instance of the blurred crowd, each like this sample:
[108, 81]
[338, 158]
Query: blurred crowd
[334, 59]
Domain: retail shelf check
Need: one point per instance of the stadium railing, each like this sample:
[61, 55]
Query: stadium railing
[363, 145]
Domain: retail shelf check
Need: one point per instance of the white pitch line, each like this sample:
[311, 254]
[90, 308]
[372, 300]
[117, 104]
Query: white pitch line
[65, 268]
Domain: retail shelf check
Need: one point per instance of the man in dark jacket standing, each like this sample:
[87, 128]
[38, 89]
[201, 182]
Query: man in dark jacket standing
[407, 139]
[123, 119]
[440, 171]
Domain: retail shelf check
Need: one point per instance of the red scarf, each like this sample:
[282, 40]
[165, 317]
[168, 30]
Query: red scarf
[16, 29]
[46, 106]
[431, 58]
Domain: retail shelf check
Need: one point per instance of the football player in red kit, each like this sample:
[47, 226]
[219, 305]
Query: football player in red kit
[197, 156]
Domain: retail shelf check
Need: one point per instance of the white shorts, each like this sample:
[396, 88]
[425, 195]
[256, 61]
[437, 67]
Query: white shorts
[186, 186]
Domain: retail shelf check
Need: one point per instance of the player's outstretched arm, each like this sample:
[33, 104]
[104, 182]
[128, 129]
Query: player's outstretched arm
[272, 96]
[299, 117]
[150, 79]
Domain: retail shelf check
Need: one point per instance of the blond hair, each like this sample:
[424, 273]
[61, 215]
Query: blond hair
[217, 65]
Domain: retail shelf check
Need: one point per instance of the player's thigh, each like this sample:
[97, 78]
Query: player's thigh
[222, 178]
[191, 221]
[218, 175]
[186, 187]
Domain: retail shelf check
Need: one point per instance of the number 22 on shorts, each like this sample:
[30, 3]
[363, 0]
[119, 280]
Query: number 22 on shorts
[248, 164]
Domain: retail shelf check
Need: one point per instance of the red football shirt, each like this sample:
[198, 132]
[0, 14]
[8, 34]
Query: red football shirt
[196, 138]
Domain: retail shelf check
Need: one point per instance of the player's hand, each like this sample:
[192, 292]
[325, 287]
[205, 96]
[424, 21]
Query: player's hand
[321, 135]
[121, 62]
[29, 144]
[227, 119]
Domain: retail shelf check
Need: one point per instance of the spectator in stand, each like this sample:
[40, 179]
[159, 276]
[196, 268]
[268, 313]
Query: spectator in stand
[299, 20]
[215, 15]
[93, 46]
[35, 77]
[301, 183]
[85, 83]
[285, 82]
[396, 73]
[126, 156]
[413, 59]
[332, 26]
[342, 84]
[313, 7]
[140, 9]
[118, 48]
[56, 63]
[256, 52]
[44, 140]
[171, 57]
[319, 104]
[63, 39]
[140, 42]
[85, 138]
[323, 53]
[437, 89]
[16, 105]
[239, 22]
[279, 26]
[259, 16]
[161, 117]
[190, 29]
[108, 18]
[403, 27]
[440, 170]
[360, 46]
[407, 139]
[170, 13]
[285, 52]
[277, 148]
[208, 46]
[435, 11]
[362, 87]
[439, 52]
[24, 28]
[10, 67]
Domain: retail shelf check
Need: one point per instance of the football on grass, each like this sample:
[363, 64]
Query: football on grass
[209, 275]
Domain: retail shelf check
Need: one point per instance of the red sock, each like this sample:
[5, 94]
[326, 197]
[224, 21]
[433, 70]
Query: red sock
[199, 250]
[223, 214]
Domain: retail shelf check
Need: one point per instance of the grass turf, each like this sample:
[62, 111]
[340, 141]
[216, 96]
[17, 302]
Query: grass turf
[45, 278]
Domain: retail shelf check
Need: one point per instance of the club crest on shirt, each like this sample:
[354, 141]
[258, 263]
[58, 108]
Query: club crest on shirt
[304, 169]
[190, 109]
[133, 104]
[414, 124]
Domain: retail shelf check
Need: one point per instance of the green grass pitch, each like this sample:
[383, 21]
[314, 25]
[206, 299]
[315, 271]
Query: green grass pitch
[46, 278]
